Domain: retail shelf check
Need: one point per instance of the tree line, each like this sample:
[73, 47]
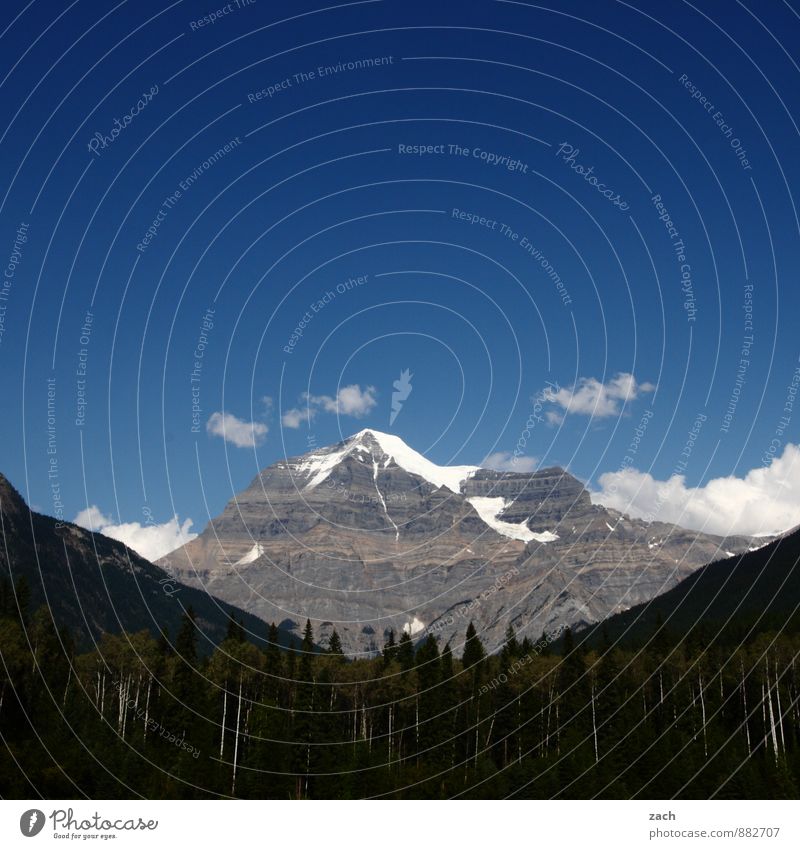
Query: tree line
[149, 717]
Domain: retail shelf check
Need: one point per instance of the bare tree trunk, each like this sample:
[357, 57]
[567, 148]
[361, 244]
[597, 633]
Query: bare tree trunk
[147, 708]
[746, 717]
[391, 712]
[224, 718]
[236, 742]
[780, 712]
[703, 714]
[558, 732]
[66, 689]
[772, 718]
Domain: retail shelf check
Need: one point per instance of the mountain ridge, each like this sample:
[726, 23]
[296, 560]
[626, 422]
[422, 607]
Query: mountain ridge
[93, 584]
[756, 591]
[368, 536]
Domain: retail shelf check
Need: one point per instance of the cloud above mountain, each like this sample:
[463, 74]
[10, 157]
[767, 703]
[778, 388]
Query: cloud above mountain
[507, 461]
[766, 500]
[237, 432]
[591, 397]
[295, 417]
[151, 540]
[349, 400]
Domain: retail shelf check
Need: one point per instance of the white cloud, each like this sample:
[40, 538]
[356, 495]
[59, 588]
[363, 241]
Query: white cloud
[239, 433]
[766, 500]
[506, 461]
[349, 401]
[150, 540]
[92, 519]
[590, 397]
[295, 417]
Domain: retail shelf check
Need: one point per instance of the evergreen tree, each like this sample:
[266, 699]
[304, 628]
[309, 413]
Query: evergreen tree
[308, 638]
[389, 648]
[429, 706]
[474, 651]
[405, 652]
[335, 644]
[511, 648]
[544, 644]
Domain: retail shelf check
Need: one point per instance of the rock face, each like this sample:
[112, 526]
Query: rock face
[367, 536]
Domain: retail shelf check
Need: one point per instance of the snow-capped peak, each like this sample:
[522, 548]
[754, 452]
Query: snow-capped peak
[383, 448]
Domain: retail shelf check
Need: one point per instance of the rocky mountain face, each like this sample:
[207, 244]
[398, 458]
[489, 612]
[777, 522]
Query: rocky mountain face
[93, 585]
[368, 535]
[730, 600]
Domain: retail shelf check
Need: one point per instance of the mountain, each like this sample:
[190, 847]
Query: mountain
[756, 591]
[368, 535]
[93, 584]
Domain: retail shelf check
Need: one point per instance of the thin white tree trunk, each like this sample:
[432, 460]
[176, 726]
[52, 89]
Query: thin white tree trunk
[772, 719]
[703, 713]
[746, 717]
[147, 707]
[236, 743]
[224, 718]
[780, 711]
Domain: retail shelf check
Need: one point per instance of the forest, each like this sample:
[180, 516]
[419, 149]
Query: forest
[675, 716]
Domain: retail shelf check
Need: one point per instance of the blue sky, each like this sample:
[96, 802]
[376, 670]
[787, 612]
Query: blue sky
[517, 196]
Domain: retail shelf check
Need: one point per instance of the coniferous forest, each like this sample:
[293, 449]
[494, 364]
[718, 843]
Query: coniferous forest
[675, 716]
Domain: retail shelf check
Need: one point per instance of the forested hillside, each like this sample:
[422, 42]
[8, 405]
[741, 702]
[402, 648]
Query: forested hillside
[144, 717]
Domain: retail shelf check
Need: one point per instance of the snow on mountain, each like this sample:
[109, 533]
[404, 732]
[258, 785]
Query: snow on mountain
[490, 508]
[255, 552]
[381, 449]
[389, 448]
[390, 540]
[414, 626]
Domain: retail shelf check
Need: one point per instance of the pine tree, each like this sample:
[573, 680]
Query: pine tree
[389, 648]
[474, 652]
[308, 638]
[428, 712]
[405, 652]
[544, 644]
[335, 644]
[510, 649]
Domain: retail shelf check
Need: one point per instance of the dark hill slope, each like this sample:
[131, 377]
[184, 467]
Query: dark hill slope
[93, 584]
